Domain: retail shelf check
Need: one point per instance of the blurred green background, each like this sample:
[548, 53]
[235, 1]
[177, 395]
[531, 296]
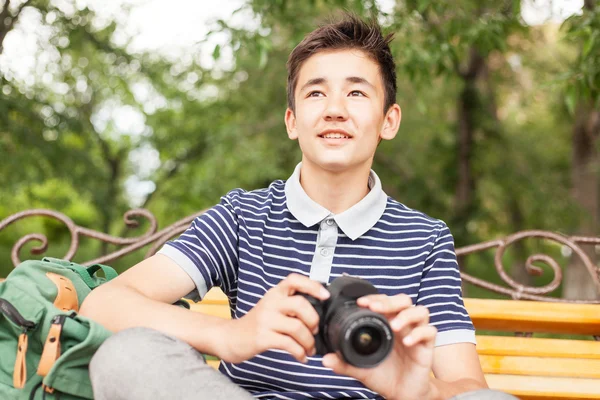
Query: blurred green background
[167, 105]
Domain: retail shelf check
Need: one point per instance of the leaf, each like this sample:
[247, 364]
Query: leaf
[516, 7]
[217, 52]
[588, 45]
[264, 57]
[422, 5]
[571, 99]
[421, 106]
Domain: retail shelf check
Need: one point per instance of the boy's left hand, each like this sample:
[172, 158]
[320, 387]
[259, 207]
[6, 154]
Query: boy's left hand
[405, 373]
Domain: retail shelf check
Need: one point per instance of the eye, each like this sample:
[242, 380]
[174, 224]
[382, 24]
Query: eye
[357, 93]
[315, 93]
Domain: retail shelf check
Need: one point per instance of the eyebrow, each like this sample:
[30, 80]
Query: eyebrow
[351, 79]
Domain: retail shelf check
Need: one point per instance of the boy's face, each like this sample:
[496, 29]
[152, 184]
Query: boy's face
[339, 117]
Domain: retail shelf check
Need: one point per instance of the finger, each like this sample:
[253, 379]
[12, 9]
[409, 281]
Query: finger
[295, 329]
[383, 304]
[338, 366]
[286, 343]
[296, 283]
[418, 315]
[371, 298]
[421, 335]
[299, 307]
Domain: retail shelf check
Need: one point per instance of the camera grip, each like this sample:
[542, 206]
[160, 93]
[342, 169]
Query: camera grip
[320, 345]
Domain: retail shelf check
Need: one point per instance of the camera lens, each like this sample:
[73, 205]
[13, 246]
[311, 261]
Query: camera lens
[366, 340]
[363, 338]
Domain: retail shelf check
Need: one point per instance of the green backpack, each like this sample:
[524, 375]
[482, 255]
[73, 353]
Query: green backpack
[45, 346]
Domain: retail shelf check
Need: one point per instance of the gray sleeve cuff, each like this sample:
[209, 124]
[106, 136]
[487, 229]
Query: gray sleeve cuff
[455, 336]
[188, 266]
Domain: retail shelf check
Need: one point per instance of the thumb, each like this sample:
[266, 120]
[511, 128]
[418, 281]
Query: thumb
[333, 361]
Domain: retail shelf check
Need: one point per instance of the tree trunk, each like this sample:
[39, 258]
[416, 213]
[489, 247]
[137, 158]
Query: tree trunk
[467, 109]
[468, 104]
[584, 174]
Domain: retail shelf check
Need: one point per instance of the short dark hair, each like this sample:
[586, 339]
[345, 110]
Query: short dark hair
[349, 33]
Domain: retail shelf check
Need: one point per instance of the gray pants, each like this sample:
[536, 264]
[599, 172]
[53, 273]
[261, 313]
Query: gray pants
[141, 363]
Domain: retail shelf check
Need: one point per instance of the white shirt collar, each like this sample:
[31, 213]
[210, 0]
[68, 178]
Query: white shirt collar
[354, 222]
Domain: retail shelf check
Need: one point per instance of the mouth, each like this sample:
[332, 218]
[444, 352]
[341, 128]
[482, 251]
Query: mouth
[335, 134]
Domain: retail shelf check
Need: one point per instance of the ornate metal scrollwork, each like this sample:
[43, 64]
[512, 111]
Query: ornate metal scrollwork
[519, 291]
[157, 238]
[76, 231]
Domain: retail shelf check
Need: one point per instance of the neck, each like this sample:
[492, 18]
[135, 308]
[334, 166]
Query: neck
[336, 191]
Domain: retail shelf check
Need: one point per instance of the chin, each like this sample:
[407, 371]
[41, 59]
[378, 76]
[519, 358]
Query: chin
[332, 162]
[335, 166]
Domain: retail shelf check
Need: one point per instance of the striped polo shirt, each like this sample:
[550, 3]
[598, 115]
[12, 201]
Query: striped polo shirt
[252, 240]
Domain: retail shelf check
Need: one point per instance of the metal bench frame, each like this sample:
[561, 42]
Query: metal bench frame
[157, 238]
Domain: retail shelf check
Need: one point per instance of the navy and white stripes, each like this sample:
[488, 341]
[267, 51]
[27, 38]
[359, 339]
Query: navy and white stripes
[251, 241]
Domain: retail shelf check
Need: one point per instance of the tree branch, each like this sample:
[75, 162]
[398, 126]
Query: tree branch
[4, 12]
[589, 4]
[4, 15]
[178, 162]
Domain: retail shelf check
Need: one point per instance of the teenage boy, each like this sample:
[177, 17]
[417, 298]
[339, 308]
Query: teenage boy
[264, 247]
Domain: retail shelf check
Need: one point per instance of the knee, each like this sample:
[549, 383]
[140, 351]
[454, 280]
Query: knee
[130, 356]
[121, 352]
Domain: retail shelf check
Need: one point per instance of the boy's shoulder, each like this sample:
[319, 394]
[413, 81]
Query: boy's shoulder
[275, 190]
[397, 210]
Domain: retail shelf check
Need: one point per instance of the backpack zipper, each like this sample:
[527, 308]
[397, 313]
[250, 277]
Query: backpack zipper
[13, 314]
[20, 369]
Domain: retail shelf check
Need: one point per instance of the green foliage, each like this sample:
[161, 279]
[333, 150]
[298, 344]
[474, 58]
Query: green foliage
[218, 128]
[582, 82]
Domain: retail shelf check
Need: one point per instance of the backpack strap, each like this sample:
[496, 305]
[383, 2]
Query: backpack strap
[51, 351]
[86, 274]
[109, 272]
[66, 300]
[20, 371]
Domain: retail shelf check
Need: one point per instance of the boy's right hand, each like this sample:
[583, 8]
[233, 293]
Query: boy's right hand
[280, 320]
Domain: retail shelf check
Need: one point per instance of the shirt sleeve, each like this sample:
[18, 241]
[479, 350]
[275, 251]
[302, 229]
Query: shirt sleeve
[441, 292]
[208, 250]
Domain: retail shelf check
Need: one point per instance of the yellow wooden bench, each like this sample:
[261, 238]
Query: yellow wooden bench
[530, 368]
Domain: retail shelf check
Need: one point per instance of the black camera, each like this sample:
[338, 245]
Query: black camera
[360, 336]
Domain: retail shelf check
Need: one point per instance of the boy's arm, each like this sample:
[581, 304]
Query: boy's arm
[142, 296]
[457, 370]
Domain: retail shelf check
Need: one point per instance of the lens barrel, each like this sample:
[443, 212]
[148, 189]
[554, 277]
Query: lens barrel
[362, 337]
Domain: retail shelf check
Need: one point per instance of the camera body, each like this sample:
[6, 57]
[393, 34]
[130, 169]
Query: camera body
[360, 336]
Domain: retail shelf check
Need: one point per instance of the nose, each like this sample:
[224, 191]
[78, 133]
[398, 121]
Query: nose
[336, 109]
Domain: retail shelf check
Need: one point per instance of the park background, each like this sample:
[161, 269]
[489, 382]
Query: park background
[107, 106]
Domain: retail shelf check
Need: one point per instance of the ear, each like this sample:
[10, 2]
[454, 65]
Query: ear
[391, 122]
[290, 124]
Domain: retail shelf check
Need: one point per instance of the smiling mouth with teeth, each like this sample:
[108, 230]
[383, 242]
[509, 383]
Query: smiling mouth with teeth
[335, 136]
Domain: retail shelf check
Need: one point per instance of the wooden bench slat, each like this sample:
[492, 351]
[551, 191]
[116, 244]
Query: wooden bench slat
[534, 387]
[529, 368]
[525, 316]
[541, 366]
[215, 296]
[537, 347]
[529, 316]
[216, 310]
[545, 388]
